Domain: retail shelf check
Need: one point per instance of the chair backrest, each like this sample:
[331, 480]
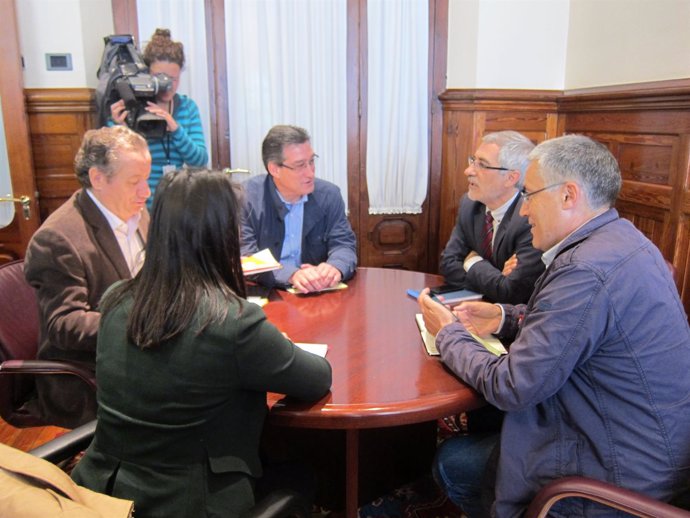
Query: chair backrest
[19, 330]
[18, 314]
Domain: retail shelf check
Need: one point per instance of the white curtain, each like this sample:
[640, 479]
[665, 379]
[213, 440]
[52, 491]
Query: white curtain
[187, 24]
[398, 109]
[287, 65]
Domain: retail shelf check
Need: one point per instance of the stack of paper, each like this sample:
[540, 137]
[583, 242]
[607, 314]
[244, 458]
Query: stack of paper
[428, 339]
[260, 262]
[492, 344]
[339, 286]
[317, 349]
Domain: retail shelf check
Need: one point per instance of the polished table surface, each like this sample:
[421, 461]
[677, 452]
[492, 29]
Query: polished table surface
[382, 375]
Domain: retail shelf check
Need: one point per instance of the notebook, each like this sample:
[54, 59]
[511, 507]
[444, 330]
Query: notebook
[449, 298]
[492, 344]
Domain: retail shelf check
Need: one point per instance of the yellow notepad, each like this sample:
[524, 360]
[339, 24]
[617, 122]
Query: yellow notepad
[259, 262]
[493, 345]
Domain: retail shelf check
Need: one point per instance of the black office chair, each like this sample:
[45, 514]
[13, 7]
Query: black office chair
[19, 330]
[604, 493]
[277, 504]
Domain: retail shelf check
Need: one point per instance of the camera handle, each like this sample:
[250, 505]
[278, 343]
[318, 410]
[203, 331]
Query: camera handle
[126, 94]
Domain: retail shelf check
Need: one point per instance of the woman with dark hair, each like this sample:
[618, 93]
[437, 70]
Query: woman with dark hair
[183, 142]
[184, 363]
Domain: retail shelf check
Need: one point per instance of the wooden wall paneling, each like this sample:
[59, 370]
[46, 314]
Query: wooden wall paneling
[681, 257]
[652, 222]
[438, 54]
[468, 116]
[458, 144]
[356, 118]
[648, 198]
[647, 128]
[670, 95]
[534, 125]
[681, 260]
[651, 149]
[217, 83]
[125, 18]
[395, 241]
[58, 119]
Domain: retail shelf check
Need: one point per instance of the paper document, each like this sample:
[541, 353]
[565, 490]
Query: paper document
[259, 301]
[492, 344]
[428, 339]
[339, 286]
[260, 262]
[317, 349]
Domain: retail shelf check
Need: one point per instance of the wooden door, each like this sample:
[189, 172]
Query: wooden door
[15, 237]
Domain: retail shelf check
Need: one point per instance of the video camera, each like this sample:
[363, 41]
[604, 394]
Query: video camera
[124, 75]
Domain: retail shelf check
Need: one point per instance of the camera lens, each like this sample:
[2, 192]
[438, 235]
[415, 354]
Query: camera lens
[162, 83]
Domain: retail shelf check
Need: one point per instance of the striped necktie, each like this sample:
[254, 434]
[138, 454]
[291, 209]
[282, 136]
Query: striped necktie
[487, 248]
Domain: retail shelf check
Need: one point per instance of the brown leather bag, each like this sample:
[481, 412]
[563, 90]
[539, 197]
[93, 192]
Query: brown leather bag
[34, 488]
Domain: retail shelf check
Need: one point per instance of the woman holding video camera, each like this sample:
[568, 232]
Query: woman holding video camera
[183, 142]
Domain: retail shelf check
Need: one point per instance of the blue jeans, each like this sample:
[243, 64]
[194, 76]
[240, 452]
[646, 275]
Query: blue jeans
[459, 468]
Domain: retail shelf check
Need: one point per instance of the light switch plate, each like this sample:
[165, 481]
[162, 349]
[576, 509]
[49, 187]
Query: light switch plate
[59, 61]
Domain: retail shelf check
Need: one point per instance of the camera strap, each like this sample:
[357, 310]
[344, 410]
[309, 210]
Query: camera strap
[165, 141]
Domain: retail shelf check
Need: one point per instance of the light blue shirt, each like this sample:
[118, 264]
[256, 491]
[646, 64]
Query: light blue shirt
[291, 253]
[127, 235]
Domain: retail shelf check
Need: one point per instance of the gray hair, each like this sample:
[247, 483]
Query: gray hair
[513, 151]
[277, 138]
[582, 160]
[101, 147]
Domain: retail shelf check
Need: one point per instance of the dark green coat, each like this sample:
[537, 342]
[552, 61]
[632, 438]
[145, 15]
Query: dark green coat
[179, 425]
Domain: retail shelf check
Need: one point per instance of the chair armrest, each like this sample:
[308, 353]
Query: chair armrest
[47, 367]
[66, 445]
[602, 492]
[280, 504]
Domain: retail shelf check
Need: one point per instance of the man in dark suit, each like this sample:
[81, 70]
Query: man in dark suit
[94, 239]
[490, 250]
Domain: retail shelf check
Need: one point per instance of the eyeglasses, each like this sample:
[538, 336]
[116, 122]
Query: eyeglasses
[481, 165]
[301, 166]
[526, 195]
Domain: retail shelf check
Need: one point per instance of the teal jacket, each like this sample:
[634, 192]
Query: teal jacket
[184, 146]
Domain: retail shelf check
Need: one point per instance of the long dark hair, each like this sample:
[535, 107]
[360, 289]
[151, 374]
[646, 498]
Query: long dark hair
[192, 259]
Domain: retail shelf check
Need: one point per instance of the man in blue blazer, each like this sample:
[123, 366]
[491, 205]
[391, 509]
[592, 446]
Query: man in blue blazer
[299, 217]
[490, 250]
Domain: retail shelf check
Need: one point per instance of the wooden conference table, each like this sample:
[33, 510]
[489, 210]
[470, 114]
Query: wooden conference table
[382, 375]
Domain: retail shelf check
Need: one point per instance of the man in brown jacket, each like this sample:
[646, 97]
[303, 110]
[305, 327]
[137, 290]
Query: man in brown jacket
[94, 239]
